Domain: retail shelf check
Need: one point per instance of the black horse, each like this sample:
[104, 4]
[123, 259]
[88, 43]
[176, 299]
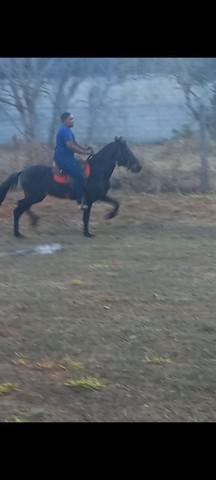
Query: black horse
[38, 181]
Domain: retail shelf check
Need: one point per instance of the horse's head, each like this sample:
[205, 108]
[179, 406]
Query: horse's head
[125, 157]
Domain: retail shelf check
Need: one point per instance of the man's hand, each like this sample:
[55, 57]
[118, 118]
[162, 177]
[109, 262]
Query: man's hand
[90, 151]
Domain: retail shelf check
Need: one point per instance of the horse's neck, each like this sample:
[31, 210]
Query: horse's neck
[105, 162]
[109, 170]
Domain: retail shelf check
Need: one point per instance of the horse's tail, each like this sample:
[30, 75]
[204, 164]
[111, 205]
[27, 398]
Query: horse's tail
[9, 184]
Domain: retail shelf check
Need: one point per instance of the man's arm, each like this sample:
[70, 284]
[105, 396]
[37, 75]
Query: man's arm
[74, 147]
[90, 149]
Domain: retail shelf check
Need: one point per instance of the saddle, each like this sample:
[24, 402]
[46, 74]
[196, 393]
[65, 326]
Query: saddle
[59, 176]
[62, 178]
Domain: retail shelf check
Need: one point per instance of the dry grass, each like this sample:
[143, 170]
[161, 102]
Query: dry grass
[88, 383]
[6, 388]
[173, 166]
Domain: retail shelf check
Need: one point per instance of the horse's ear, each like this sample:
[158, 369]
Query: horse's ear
[119, 139]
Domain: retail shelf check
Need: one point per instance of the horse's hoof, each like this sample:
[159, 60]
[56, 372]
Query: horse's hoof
[89, 235]
[108, 216]
[19, 235]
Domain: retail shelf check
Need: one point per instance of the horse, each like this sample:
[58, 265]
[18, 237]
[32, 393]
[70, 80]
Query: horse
[38, 181]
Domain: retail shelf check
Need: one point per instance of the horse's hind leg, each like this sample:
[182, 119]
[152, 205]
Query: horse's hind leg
[23, 206]
[34, 219]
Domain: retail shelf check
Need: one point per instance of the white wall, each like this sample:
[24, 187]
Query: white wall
[141, 110]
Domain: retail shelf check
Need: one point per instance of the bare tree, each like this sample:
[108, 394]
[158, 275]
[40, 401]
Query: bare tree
[97, 96]
[70, 74]
[192, 77]
[113, 71]
[23, 82]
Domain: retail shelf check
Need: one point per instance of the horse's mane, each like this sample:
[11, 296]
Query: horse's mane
[97, 156]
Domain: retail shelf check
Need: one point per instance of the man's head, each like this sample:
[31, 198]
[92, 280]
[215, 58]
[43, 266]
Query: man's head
[67, 119]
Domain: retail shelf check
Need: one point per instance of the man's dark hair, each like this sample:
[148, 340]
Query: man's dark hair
[64, 116]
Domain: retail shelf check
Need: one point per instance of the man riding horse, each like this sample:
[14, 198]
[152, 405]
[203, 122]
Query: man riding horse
[64, 158]
[38, 181]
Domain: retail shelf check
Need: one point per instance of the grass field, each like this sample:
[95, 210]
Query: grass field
[118, 328]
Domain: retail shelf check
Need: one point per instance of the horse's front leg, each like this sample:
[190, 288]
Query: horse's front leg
[116, 205]
[86, 216]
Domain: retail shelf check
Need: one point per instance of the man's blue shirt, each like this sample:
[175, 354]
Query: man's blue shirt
[64, 135]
